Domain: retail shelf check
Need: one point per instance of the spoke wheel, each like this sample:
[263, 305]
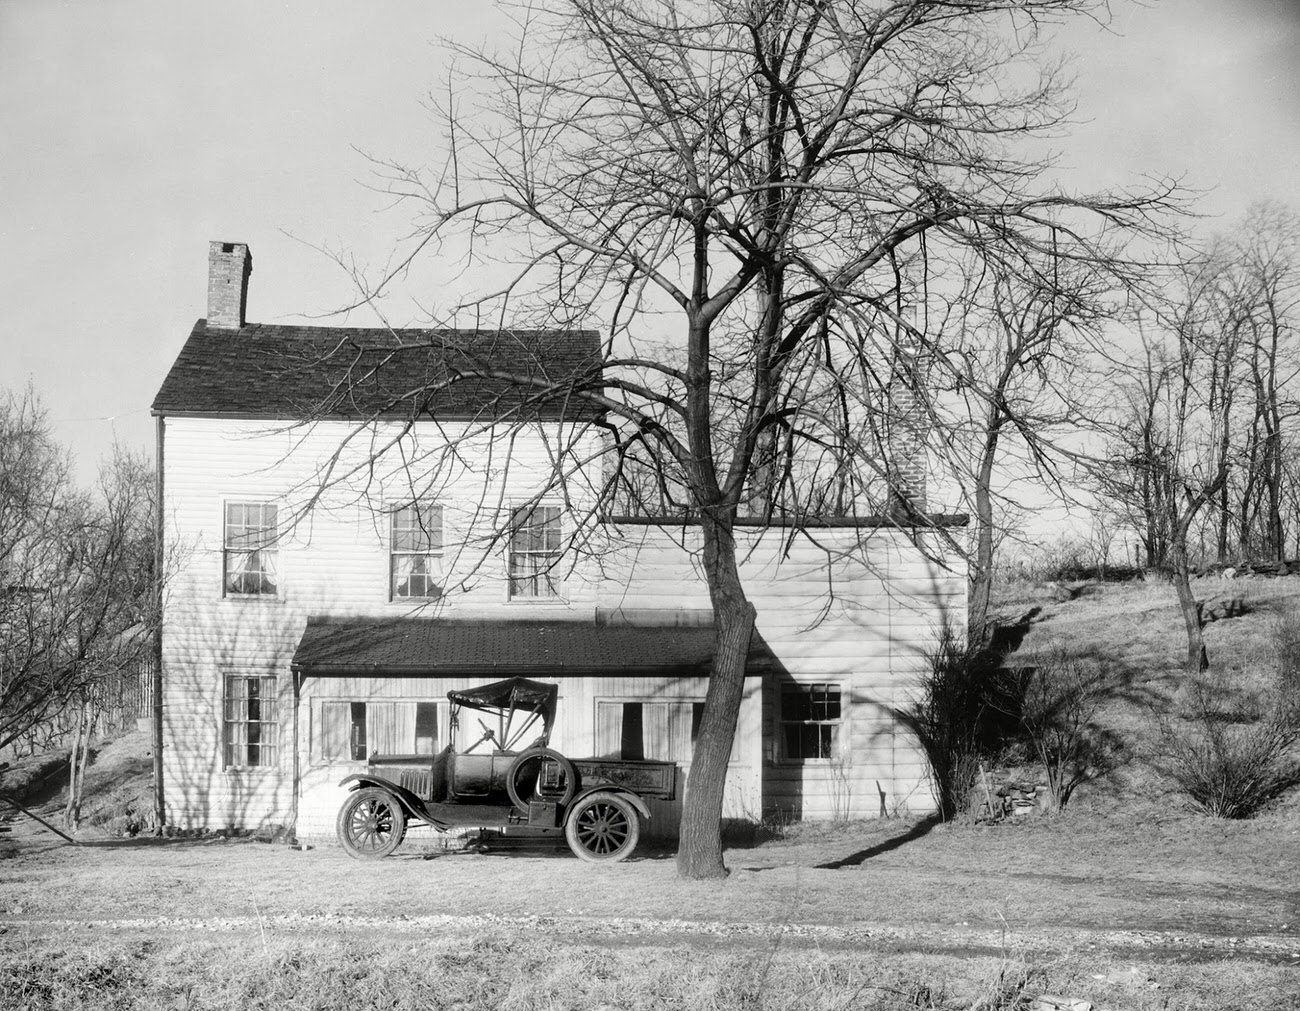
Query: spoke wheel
[371, 824]
[602, 828]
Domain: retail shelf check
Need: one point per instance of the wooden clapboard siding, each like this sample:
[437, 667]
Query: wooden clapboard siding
[864, 620]
[856, 608]
[333, 561]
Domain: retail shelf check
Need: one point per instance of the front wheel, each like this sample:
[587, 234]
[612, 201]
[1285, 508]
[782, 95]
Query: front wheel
[371, 824]
[602, 828]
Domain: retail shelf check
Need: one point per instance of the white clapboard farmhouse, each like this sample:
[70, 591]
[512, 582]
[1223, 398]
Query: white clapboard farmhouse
[343, 554]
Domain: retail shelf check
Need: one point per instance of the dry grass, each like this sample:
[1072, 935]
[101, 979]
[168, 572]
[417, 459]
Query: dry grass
[871, 915]
[502, 970]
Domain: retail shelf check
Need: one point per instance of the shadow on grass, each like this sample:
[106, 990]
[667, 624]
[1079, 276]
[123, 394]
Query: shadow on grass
[921, 828]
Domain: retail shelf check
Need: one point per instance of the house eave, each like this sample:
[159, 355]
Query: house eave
[868, 522]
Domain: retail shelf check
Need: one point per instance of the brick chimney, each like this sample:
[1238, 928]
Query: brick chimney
[229, 265]
[908, 427]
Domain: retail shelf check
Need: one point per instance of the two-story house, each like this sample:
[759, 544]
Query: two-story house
[343, 551]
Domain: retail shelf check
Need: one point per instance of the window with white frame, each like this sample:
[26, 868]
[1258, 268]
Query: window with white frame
[415, 552]
[663, 730]
[811, 717]
[250, 721]
[249, 554]
[534, 552]
[352, 731]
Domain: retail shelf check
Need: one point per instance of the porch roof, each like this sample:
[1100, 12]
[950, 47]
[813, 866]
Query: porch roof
[422, 647]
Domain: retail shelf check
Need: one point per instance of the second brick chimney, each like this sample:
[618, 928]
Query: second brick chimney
[229, 265]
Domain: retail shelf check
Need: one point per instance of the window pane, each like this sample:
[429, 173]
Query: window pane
[417, 528]
[632, 740]
[426, 728]
[416, 576]
[795, 704]
[357, 742]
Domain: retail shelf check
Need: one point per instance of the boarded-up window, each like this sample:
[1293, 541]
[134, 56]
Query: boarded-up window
[810, 721]
[660, 730]
[356, 730]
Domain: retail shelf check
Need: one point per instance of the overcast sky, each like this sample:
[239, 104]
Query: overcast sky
[133, 132]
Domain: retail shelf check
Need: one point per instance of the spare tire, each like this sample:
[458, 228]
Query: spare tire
[523, 781]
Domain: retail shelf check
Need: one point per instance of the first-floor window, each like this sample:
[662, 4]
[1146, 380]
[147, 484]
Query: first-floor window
[810, 721]
[250, 721]
[657, 729]
[353, 731]
[534, 551]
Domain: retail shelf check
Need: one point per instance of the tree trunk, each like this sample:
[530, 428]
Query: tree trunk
[981, 589]
[1197, 657]
[699, 853]
[77, 767]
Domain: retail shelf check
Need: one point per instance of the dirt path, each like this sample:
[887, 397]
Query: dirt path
[644, 932]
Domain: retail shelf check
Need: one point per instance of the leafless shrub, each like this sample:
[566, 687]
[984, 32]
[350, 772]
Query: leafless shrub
[960, 716]
[1230, 769]
[1059, 700]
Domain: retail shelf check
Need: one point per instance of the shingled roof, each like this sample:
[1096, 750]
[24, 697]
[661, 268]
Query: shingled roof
[272, 371]
[422, 647]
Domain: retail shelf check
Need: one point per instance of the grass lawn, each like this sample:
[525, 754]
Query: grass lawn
[1127, 899]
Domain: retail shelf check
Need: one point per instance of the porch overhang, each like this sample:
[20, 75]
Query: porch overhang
[422, 647]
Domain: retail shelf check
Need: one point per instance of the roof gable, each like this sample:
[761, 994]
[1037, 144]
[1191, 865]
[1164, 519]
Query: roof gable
[298, 372]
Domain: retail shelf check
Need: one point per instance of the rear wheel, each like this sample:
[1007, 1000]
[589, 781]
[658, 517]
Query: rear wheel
[371, 823]
[602, 828]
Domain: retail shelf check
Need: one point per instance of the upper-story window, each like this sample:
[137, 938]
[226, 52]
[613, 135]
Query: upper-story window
[415, 553]
[250, 557]
[534, 551]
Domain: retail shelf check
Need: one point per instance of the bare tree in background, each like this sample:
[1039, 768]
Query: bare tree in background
[749, 196]
[1171, 450]
[1263, 285]
[76, 573]
[1022, 329]
[1248, 290]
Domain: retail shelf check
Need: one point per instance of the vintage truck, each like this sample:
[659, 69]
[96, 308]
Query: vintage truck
[504, 775]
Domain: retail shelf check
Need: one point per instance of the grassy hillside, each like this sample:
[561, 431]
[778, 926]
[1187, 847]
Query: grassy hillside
[1130, 637]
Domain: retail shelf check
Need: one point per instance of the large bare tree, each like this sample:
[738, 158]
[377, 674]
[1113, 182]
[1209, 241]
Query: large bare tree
[749, 197]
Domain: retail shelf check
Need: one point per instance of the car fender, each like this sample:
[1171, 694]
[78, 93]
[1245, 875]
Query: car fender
[411, 803]
[642, 809]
